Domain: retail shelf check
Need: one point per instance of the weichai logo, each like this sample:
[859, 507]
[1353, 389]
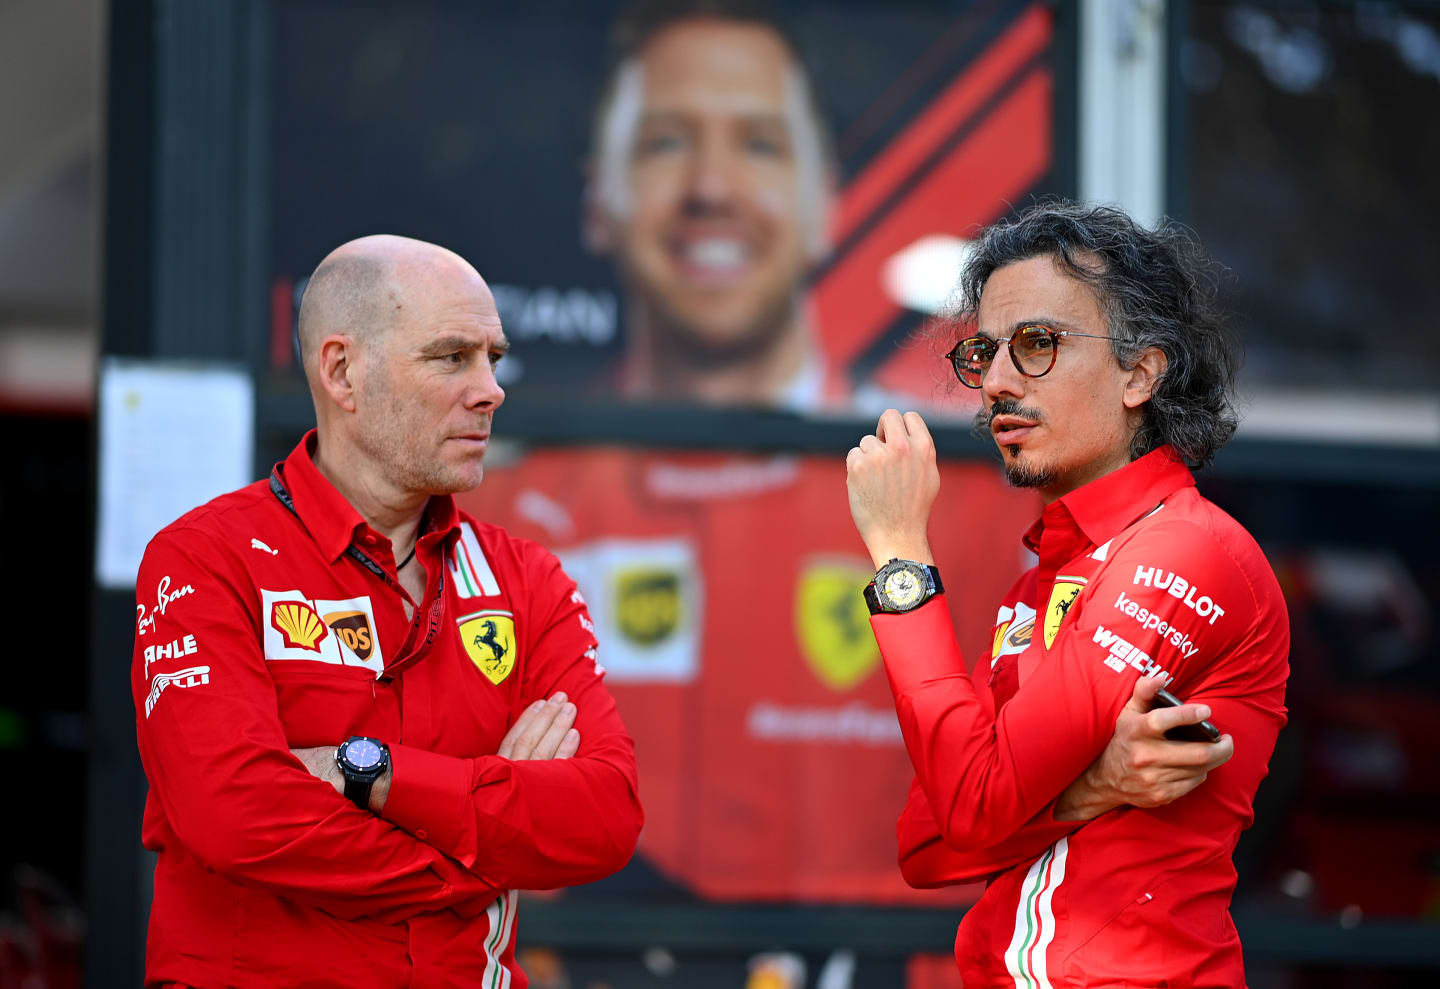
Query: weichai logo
[1122, 654]
[298, 623]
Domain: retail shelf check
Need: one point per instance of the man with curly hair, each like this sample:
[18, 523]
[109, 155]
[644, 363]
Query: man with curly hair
[1106, 375]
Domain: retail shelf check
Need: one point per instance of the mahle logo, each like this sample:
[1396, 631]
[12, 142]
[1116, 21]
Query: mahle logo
[833, 623]
[648, 604]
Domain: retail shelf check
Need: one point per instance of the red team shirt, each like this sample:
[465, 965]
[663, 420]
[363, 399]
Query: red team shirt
[726, 591]
[272, 618]
[1137, 575]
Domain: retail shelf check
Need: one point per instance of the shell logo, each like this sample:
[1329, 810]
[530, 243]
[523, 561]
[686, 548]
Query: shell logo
[299, 624]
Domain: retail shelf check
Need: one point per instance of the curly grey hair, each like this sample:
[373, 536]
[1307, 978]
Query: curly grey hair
[1156, 288]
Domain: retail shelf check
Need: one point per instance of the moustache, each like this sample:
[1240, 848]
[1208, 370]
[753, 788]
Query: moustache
[1004, 407]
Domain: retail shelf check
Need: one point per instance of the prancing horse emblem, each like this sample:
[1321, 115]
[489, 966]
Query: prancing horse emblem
[1062, 597]
[498, 650]
[489, 641]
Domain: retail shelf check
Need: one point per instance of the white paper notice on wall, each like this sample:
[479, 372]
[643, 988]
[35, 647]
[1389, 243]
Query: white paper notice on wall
[173, 435]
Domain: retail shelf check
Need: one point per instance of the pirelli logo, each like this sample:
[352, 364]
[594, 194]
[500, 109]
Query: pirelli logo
[1123, 654]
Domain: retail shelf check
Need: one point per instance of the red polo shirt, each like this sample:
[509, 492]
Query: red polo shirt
[271, 619]
[1138, 575]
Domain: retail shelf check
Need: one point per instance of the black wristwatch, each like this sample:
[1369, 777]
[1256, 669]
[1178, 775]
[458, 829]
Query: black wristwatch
[900, 586]
[361, 761]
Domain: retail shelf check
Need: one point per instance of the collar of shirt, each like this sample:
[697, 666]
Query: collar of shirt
[334, 523]
[1097, 512]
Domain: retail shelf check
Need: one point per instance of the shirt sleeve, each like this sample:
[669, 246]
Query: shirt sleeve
[537, 824]
[216, 756]
[986, 775]
[927, 862]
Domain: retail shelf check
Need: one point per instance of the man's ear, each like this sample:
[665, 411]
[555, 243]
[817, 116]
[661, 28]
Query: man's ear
[1144, 377]
[337, 369]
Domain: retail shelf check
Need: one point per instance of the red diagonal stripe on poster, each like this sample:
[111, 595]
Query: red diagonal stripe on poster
[1029, 34]
[999, 161]
[1027, 156]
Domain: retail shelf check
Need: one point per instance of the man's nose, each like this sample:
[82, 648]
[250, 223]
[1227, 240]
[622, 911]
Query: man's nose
[712, 178]
[485, 395]
[1001, 378]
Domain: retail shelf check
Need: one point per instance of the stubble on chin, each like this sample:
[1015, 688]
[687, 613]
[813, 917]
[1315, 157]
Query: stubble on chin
[1018, 473]
[1022, 475]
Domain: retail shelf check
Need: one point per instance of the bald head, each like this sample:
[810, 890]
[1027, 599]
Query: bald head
[364, 287]
[400, 341]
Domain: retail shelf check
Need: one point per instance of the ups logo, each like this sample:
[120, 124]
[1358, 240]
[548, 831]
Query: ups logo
[648, 604]
[353, 629]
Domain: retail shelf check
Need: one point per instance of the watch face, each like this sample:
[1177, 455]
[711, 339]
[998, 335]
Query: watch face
[362, 754]
[903, 588]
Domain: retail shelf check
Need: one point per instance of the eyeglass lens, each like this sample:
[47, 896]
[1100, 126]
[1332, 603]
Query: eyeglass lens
[1032, 349]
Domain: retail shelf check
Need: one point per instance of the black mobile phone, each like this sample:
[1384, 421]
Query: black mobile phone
[1204, 731]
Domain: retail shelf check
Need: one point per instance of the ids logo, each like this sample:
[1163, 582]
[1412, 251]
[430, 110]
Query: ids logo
[489, 640]
[353, 629]
[833, 624]
[1062, 596]
[648, 604]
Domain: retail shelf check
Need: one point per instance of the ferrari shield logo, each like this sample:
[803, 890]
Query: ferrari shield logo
[833, 624]
[489, 639]
[647, 604]
[1062, 596]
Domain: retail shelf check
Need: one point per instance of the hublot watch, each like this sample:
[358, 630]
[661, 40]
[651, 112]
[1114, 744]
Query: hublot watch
[902, 585]
[361, 761]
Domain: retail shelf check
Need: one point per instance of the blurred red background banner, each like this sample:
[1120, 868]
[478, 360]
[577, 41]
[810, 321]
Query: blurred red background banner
[726, 595]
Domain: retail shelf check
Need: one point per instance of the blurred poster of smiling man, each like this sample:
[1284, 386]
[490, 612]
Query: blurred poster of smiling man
[710, 179]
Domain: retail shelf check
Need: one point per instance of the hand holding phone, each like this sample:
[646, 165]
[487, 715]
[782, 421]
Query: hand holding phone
[1202, 731]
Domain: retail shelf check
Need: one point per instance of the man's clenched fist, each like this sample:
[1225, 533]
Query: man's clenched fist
[892, 480]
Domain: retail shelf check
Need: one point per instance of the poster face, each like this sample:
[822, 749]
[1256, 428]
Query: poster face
[704, 212]
[726, 594]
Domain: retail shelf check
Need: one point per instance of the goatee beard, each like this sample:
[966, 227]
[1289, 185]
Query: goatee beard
[1019, 475]
[1024, 476]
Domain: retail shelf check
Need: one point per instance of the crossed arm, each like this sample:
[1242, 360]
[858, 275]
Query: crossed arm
[544, 730]
[228, 790]
[1139, 767]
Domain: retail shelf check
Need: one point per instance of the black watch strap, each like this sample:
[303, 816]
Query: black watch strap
[358, 791]
[872, 600]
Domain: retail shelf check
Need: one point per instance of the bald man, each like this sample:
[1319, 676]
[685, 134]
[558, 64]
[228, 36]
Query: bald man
[367, 718]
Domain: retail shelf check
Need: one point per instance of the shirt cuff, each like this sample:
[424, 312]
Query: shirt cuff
[918, 645]
[429, 796]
